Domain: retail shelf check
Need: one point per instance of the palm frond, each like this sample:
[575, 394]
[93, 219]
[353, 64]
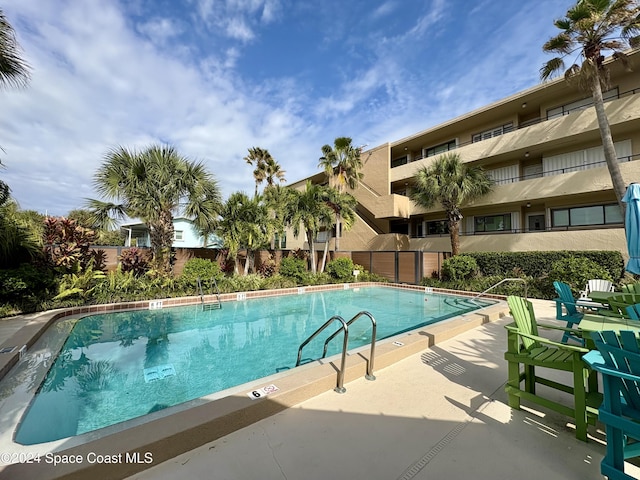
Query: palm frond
[550, 68]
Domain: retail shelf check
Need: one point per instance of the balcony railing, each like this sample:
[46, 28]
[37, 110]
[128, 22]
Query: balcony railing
[526, 230]
[560, 171]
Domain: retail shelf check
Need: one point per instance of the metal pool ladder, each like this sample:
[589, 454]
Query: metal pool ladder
[212, 305]
[343, 328]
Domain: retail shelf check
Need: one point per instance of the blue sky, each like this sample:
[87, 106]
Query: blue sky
[216, 77]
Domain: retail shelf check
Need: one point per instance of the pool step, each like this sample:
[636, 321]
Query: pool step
[211, 306]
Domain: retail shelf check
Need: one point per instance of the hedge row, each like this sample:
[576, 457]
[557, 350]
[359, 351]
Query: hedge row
[538, 264]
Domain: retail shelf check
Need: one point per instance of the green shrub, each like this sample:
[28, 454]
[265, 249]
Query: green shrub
[536, 264]
[341, 269]
[277, 281]
[200, 268]
[238, 283]
[459, 267]
[576, 271]
[294, 268]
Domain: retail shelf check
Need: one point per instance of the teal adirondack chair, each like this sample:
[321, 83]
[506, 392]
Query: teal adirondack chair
[633, 311]
[527, 349]
[570, 313]
[618, 360]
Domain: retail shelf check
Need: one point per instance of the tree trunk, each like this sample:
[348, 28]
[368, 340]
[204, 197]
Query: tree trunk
[607, 143]
[312, 250]
[454, 227]
[326, 251]
[161, 237]
[338, 231]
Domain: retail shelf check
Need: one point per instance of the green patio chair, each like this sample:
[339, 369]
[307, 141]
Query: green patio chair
[527, 353]
[618, 360]
[631, 288]
[618, 303]
[569, 313]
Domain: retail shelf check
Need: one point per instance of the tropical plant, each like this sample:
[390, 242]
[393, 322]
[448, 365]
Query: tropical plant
[342, 164]
[453, 184]
[13, 69]
[308, 209]
[591, 28]
[134, 260]
[79, 283]
[67, 246]
[153, 185]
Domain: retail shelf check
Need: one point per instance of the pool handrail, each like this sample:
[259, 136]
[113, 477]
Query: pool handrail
[501, 282]
[340, 381]
[369, 375]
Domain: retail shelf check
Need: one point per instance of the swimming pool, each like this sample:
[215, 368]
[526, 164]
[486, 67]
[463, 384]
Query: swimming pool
[118, 366]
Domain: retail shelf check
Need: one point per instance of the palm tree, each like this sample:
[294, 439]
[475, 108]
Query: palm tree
[272, 171]
[245, 223]
[154, 184]
[277, 199]
[258, 158]
[344, 207]
[342, 164]
[13, 69]
[309, 210]
[453, 184]
[590, 28]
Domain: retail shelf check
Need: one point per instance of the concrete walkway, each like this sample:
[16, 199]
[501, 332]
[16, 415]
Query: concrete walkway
[438, 414]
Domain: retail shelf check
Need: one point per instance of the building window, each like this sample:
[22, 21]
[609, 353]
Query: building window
[492, 223]
[178, 235]
[437, 227]
[583, 216]
[399, 161]
[438, 149]
[494, 132]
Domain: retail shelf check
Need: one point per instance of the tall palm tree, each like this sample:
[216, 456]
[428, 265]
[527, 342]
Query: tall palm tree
[453, 184]
[590, 28]
[13, 69]
[272, 172]
[342, 164]
[344, 207]
[309, 210]
[154, 184]
[258, 158]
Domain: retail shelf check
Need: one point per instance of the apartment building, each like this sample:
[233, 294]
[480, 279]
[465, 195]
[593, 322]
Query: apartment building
[541, 146]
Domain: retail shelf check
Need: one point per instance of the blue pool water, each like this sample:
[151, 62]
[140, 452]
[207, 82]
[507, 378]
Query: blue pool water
[117, 366]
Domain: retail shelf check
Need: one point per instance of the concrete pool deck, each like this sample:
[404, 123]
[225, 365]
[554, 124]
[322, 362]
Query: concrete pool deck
[439, 413]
